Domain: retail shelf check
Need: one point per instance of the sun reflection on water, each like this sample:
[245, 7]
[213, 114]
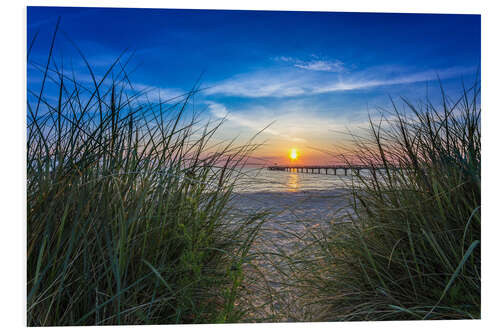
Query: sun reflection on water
[292, 182]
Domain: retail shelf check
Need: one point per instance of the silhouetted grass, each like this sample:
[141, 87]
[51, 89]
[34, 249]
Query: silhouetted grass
[127, 206]
[409, 244]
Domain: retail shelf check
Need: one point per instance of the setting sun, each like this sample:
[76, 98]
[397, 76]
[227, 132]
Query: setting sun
[293, 154]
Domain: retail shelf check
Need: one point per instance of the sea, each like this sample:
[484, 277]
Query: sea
[293, 198]
[260, 179]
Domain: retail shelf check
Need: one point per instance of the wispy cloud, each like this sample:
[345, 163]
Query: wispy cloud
[259, 84]
[248, 119]
[295, 83]
[359, 83]
[315, 64]
[155, 94]
[321, 65]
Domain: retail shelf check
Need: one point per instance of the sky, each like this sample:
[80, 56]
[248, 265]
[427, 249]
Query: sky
[306, 79]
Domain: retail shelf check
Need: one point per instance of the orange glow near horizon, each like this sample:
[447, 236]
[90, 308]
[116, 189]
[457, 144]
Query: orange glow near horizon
[312, 154]
[294, 154]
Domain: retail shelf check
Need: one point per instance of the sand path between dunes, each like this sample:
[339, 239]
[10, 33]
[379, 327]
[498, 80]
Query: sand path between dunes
[287, 230]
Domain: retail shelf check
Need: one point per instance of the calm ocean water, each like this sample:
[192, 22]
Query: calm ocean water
[263, 180]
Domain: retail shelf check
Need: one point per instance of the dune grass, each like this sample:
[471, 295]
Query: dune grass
[127, 205]
[408, 247]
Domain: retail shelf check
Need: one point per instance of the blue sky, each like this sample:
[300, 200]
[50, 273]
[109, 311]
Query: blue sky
[310, 74]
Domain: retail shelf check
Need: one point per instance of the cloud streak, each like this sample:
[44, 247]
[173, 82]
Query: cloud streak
[315, 64]
[321, 65]
[247, 119]
[295, 83]
[258, 85]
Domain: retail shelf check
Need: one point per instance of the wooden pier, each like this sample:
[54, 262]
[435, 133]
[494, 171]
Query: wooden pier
[318, 168]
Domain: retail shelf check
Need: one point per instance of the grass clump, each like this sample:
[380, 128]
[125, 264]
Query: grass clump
[409, 247]
[127, 204]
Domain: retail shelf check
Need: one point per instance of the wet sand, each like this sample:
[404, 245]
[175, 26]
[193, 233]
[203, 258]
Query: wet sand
[293, 217]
